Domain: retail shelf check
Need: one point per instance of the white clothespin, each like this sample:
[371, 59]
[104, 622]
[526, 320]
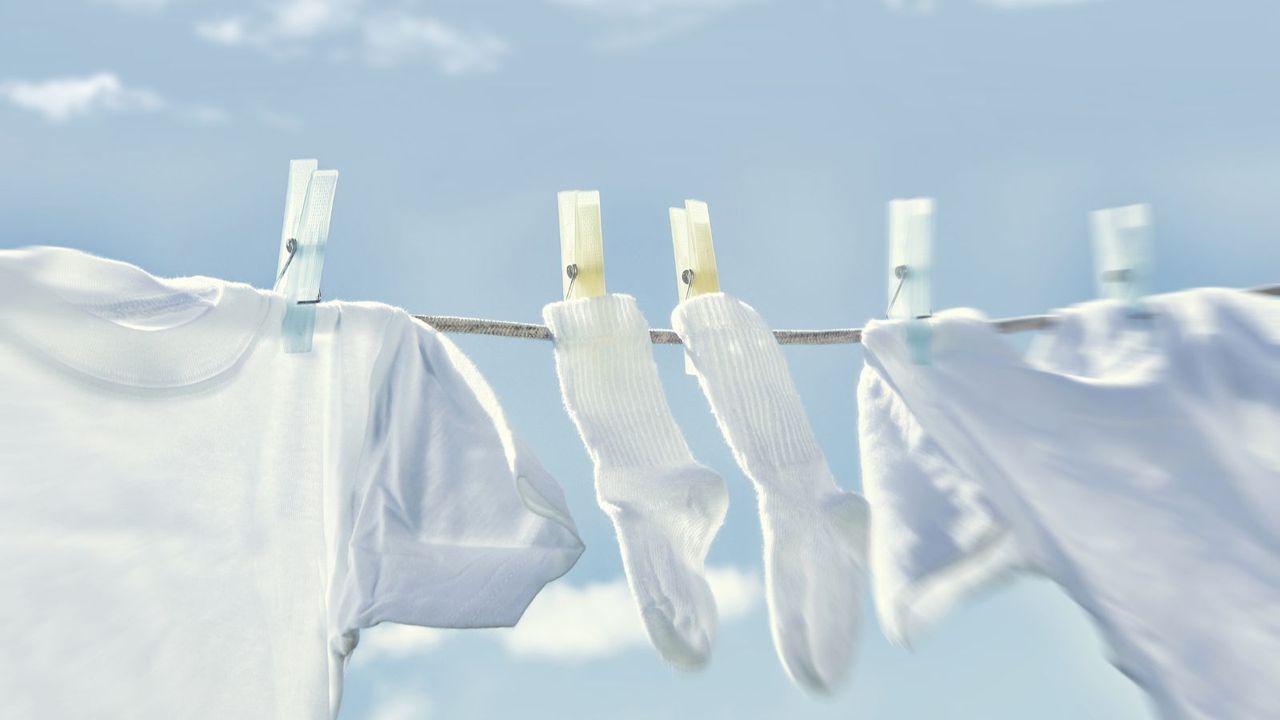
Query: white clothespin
[1122, 250]
[695, 254]
[910, 265]
[308, 209]
[581, 244]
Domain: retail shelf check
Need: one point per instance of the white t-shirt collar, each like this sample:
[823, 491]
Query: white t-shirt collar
[165, 333]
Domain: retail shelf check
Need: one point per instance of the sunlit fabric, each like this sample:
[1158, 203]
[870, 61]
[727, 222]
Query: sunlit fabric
[1131, 457]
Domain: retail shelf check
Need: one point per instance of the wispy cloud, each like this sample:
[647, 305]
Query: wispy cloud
[381, 37]
[738, 592]
[401, 704]
[283, 24]
[228, 31]
[393, 641]
[60, 100]
[553, 627]
[392, 38]
[302, 19]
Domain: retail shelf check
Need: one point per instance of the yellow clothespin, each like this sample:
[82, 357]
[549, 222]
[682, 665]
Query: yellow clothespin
[694, 250]
[695, 254]
[581, 244]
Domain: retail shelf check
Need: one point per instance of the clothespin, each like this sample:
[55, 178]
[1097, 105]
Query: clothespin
[910, 264]
[581, 244]
[308, 209]
[695, 254]
[1122, 250]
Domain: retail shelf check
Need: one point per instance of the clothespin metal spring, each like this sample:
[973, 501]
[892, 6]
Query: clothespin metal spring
[291, 246]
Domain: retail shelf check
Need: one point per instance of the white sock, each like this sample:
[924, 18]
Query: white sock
[815, 535]
[665, 507]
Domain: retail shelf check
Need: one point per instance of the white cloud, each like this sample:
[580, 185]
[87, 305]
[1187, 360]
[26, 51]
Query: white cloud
[401, 705]
[299, 19]
[62, 99]
[392, 38]
[284, 22]
[226, 31]
[348, 27]
[553, 627]
[738, 592]
[389, 640]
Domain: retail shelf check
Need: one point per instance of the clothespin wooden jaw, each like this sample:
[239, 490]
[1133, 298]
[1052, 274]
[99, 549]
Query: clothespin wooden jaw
[695, 254]
[1122, 251]
[581, 244]
[303, 240]
[910, 266]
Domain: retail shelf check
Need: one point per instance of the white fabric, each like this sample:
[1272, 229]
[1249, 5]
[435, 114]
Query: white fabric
[815, 535]
[195, 524]
[1136, 462]
[666, 508]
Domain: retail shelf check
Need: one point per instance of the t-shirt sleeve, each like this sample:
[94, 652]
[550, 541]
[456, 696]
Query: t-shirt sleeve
[935, 538]
[454, 523]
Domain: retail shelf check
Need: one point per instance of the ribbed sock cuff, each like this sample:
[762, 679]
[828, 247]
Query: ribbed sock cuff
[610, 383]
[616, 317]
[743, 373]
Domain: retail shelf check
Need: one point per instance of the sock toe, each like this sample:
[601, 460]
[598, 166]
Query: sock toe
[686, 646]
[818, 579]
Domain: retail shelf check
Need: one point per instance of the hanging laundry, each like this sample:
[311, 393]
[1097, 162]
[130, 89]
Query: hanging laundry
[666, 508]
[1134, 460]
[195, 524]
[814, 533]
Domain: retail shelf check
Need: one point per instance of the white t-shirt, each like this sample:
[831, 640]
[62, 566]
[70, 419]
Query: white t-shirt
[1136, 462]
[195, 524]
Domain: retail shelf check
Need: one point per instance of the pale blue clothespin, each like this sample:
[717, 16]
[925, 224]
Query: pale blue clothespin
[1122, 250]
[910, 263]
[308, 208]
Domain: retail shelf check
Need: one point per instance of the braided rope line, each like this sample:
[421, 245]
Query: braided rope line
[660, 336]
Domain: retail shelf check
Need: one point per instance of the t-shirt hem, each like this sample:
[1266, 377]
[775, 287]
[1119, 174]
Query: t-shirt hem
[490, 588]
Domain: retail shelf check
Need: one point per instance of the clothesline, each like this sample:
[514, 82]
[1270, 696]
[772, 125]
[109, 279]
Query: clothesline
[662, 336]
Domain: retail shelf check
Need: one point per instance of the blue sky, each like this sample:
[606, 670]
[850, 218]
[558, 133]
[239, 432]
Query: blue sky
[159, 132]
